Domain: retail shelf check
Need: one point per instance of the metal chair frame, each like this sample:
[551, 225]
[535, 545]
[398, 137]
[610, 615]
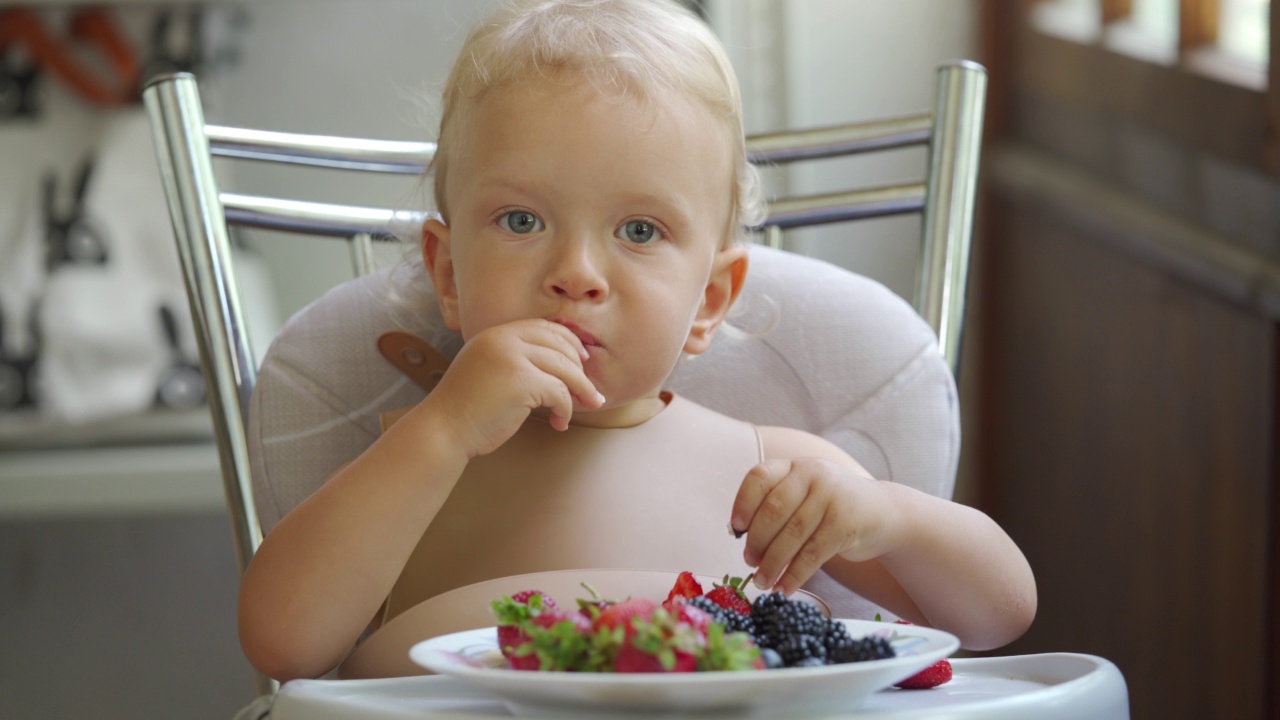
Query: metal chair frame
[201, 213]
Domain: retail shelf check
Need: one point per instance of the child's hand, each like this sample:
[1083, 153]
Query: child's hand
[800, 513]
[507, 371]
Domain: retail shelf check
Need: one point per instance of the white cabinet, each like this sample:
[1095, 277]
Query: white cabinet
[116, 480]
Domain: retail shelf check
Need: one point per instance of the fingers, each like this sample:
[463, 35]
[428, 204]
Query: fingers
[570, 374]
[758, 483]
[560, 337]
[560, 356]
[793, 565]
[789, 533]
[559, 379]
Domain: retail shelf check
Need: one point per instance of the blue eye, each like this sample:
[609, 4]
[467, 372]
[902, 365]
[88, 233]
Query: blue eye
[521, 222]
[639, 232]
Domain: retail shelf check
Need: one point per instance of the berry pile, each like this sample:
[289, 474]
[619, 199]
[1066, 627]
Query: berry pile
[634, 635]
[691, 630]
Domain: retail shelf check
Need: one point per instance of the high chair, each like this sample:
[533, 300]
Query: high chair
[823, 349]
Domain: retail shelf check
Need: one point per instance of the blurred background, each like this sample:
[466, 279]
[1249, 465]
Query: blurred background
[1119, 383]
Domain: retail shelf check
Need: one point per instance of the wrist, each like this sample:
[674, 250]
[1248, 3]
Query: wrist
[436, 435]
[895, 531]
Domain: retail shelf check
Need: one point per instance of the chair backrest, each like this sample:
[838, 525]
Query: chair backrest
[871, 375]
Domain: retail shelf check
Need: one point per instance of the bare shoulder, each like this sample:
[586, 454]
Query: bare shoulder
[786, 443]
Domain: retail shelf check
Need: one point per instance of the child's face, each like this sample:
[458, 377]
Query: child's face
[609, 216]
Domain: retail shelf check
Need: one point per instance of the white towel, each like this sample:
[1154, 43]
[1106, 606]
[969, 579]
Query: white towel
[104, 348]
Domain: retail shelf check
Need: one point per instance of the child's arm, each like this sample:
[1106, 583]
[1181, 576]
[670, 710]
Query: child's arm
[325, 569]
[929, 560]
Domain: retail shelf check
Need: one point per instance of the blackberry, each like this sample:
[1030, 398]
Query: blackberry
[772, 660]
[767, 601]
[803, 636]
[871, 647]
[777, 618]
[733, 621]
[801, 650]
[838, 643]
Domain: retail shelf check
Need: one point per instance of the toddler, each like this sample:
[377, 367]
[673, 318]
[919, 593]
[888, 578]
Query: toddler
[593, 189]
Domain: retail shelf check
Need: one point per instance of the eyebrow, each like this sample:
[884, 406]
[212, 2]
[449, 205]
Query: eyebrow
[668, 201]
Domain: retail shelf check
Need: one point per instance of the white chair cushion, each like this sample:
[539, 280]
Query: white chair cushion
[816, 348]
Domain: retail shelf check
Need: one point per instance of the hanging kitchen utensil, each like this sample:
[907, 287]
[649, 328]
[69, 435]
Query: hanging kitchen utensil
[182, 385]
[71, 237]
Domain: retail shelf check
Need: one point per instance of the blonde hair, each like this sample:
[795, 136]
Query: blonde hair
[644, 47]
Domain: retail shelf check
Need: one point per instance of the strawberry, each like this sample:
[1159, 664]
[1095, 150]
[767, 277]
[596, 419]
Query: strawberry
[524, 596]
[932, 676]
[730, 595]
[513, 611]
[623, 614]
[687, 586]
[631, 659]
[659, 643]
[695, 618]
[554, 640]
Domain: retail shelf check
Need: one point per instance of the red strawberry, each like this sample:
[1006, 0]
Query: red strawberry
[513, 611]
[730, 595]
[660, 643]
[932, 676]
[621, 614]
[510, 637]
[550, 617]
[553, 637]
[631, 659]
[524, 596]
[687, 586]
[695, 618]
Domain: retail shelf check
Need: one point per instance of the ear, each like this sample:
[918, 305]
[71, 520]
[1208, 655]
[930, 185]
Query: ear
[438, 259]
[728, 273]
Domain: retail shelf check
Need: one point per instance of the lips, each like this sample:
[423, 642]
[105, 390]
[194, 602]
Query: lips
[588, 340]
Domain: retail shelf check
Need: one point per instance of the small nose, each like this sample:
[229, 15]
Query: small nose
[576, 272]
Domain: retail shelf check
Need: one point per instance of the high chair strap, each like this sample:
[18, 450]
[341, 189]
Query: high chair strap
[414, 357]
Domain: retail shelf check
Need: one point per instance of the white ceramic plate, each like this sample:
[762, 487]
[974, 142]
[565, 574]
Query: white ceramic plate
[472, 656]
[386, 652]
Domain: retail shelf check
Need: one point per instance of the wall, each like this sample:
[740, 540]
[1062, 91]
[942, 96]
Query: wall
[812, 63]
[337, 67]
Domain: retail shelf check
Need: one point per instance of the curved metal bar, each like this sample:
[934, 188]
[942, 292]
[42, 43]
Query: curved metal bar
[313, 218]
[839, 207]
[343, 153]
[362, 253]
[784, 147]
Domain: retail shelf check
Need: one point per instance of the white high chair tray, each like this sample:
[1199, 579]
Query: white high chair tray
[1054, 686]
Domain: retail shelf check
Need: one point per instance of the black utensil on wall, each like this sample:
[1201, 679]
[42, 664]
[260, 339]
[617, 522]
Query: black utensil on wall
[71, 237]
[19, 84]
[182, 385]
[17, 375]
